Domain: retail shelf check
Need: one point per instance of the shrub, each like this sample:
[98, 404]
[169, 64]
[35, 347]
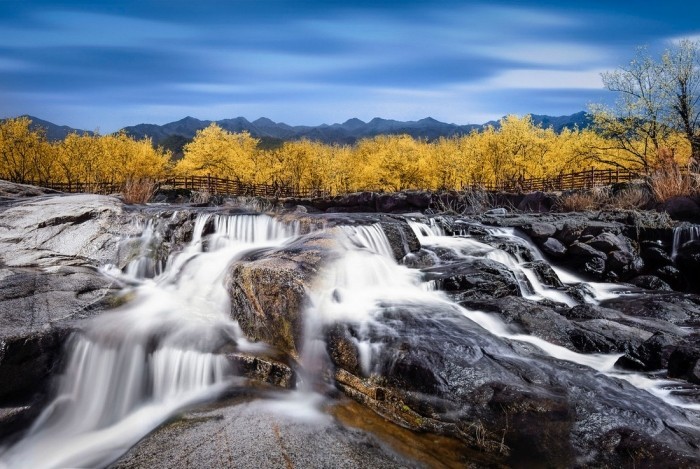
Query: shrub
[583, 200]
[631, 198]
[139, 191]
[670, 181]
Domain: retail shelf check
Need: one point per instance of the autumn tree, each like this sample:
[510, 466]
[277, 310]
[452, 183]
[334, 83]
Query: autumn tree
[23, 152]
[218, 152]
[657, 99]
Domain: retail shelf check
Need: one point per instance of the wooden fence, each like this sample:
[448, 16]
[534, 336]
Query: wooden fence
[209, 184]
[574, 180]
[223, 186]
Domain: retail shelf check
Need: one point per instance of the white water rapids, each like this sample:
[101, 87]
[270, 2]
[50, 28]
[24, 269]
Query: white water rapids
[134, 367]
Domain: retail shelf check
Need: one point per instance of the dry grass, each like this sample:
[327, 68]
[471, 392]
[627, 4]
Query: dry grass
[670, 181]
[582, 201]
[200, 197]
[632, 198]
[139, 191]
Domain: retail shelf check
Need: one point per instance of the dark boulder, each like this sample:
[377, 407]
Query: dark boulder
[681, 208]
[688, 260]
[684, 362]
[655, 256]
[650, 282]
[392, 203]
[554, 248]
[401, 237]
[607, 242]
[529, 408]
[653, 354]
[587, 259]
[537, 202]
[624, 264]
[268, 289]
[540, 230]
[478, 278]
[545, 274]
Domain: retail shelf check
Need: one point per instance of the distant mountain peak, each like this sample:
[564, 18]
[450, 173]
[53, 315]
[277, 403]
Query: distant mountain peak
[348, 132]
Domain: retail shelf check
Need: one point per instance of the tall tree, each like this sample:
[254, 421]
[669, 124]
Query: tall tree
[657, 98]
[681, 88]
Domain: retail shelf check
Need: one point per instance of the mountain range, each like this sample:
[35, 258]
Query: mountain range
[350, 131]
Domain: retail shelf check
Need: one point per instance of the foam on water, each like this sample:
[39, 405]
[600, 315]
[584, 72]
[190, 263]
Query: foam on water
[131, 368]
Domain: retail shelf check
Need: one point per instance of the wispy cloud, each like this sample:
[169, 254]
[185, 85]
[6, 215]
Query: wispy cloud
[316, 61]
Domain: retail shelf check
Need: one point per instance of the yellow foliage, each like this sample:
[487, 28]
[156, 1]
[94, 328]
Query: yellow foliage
[24, 154]
[218, 152]
[515, 148]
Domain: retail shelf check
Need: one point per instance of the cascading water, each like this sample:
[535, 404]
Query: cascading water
[131, 368]
[681, 235]
[530, 285]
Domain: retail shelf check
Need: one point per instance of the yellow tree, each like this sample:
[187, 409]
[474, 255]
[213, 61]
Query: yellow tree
[391, 162]
[80, 159]
[22, 151]
[218, 152]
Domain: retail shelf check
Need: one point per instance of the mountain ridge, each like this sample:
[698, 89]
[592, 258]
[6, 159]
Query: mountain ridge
[347, 132]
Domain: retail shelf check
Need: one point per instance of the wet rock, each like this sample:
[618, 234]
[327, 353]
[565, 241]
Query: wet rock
[585, 251]
[587, 259]
[688, 260]
[655, 256]
[268, 289]
[478, 278]
[607, 242]
[679, 309]
[684, 361]
[541, 230]
[528, 407]
[671, 276]
[650, 282]
[420, 259]
[38, 310]
[624, 264]
[554, 248]
[261, 433]
[590, 335]
[263, 369]
[401, 237]
[545, 273]
[571, 231]
[653, 354]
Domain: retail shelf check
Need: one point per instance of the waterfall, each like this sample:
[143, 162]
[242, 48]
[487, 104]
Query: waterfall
[133, 367]
[681, 235]
[467, 248]
[370, 237]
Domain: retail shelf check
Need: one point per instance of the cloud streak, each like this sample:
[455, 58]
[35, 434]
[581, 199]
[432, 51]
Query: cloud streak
[117, 64]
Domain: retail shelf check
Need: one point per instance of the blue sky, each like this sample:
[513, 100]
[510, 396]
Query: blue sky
[101, 65]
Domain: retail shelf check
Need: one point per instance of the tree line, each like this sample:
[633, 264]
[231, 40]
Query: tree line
[655, 122]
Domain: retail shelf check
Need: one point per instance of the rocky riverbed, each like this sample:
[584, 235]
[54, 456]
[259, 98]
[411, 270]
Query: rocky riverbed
[509, 337]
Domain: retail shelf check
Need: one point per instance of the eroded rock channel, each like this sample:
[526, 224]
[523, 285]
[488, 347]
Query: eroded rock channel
[184, 336]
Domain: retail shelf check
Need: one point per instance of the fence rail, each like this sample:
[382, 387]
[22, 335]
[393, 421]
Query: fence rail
[574, 180]
[223, 186]
[209, 184]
